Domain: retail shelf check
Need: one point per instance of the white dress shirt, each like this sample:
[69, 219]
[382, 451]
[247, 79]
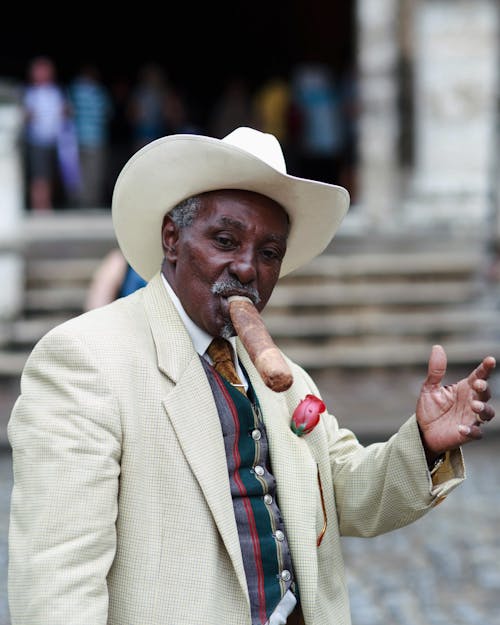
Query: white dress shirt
[201, 339]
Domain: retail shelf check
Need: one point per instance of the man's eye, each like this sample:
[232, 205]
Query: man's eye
[272, 254]
[223, 241]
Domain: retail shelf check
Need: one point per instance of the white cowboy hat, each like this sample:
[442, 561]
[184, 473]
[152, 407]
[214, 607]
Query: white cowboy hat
[175, 167]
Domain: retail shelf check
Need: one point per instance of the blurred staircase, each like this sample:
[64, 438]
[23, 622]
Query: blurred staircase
[61, 252]
[369, 301]
[382, 301]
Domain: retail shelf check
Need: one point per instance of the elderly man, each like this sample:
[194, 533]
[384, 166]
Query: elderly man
[149, 488]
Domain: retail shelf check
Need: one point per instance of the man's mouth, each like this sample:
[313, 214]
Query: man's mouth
[229, 287]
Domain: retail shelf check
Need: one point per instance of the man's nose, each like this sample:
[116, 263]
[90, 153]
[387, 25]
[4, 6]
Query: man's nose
[243, 267]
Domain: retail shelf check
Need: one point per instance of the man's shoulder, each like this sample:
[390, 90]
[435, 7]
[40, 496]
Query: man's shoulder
[119, 318]
[105, 339]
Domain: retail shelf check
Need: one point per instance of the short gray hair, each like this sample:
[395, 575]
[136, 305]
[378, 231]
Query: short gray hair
[183, 214]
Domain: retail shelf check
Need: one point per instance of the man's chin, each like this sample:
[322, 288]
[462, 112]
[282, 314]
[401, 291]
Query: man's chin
[227, 331]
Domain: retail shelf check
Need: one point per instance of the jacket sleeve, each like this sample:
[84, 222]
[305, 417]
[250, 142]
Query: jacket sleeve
[387, 485]
[379, 487]
[65, 436]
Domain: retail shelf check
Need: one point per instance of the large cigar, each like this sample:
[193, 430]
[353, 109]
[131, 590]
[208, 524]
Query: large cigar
[264, 354]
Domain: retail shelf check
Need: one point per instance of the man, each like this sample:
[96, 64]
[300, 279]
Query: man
[92, 109]
[46, 116]
[150, 490]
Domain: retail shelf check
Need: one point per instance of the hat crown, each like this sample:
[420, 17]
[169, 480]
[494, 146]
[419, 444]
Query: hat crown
[175, 167]
[262, 145]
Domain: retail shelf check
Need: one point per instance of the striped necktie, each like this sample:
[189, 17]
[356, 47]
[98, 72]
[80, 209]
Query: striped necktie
[220, 352]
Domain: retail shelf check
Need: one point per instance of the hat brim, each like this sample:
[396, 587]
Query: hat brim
[175, 167]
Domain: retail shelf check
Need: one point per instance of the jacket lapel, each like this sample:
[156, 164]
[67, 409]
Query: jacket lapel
[193, 414]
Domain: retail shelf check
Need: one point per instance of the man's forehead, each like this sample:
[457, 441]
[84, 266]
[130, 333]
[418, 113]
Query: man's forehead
[217, 198]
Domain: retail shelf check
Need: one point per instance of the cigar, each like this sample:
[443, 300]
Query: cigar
[264, 354]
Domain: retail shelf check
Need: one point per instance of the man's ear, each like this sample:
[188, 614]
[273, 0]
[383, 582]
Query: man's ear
[169, 238]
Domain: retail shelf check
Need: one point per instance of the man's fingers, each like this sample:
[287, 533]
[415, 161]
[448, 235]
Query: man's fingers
[484, 412]
[436, 368]
[481, 387]
[483, 370]
[470, 432]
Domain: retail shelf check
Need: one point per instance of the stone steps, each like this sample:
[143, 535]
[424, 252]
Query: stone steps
[388, 261]
[381, 323]
[365, 302]
[383, 353]
[369, 293]
[47, 299]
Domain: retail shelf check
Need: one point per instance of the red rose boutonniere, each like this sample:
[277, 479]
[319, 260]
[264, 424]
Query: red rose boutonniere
[306, 416]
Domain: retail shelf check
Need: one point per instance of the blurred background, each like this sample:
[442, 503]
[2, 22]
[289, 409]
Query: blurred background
[398, 101]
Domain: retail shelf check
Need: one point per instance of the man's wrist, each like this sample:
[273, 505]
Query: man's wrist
[434, 460]
[436, 463]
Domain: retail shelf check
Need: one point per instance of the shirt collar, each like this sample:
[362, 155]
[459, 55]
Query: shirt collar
[201, 339]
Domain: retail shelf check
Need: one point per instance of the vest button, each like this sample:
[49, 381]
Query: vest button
[268, 499]
[256, 435]
[279, 535]
[259, 470]
[286, 576]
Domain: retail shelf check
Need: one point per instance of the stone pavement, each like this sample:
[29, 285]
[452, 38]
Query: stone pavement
[442, 570]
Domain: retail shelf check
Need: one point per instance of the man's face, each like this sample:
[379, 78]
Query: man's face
[234, 247]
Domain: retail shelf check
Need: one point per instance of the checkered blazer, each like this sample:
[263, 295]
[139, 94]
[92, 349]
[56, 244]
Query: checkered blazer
[121, 512]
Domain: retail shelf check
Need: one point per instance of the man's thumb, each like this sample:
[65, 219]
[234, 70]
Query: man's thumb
[436, 367]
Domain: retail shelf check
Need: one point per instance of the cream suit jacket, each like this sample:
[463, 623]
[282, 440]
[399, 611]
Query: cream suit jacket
[121, 512]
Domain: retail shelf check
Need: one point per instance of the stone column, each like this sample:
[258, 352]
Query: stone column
[11, 203]
[496, 161]
[379, 124]
[456, 72]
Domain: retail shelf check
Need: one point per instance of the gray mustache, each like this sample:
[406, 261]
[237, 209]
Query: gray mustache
[231, 286]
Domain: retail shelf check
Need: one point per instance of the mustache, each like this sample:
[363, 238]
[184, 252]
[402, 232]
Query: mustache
[232, 286]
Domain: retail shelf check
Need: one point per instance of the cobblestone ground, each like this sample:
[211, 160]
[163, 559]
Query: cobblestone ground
[442, 570]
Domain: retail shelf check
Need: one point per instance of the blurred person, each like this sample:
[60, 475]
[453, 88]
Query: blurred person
[147, 103]
[120, 131]
[178, 114]
[232, 108]
[46, 112]
[349, 100]
[69, 161]
[271, 103]
[159, 481]
[113, 278]
[274, 113]
[320, 133]
[92, 109]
